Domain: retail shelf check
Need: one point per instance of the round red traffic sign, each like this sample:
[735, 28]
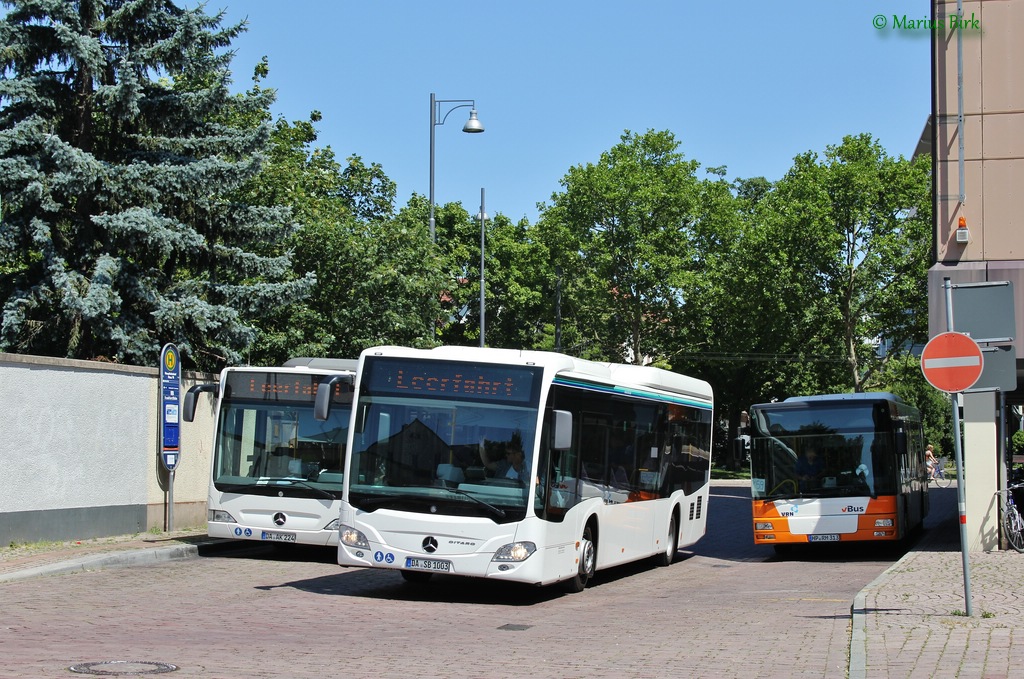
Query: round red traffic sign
[952, 362]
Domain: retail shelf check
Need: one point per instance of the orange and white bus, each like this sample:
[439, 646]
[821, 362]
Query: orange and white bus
[836, 468]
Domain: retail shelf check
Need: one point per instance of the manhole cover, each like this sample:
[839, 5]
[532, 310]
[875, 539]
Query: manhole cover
[115, 668]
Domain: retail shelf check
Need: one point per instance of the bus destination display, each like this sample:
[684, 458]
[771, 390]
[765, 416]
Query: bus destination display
[276, 386]
[476, 381]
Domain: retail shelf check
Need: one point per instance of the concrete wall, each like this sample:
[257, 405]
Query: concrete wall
[80, 451]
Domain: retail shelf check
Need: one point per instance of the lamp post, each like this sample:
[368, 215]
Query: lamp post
[439, 111]
[483, 218]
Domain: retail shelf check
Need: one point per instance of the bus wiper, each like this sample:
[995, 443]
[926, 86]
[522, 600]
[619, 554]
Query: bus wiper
[236, 487]
[300, 482]
[496, 510]
[365, 502]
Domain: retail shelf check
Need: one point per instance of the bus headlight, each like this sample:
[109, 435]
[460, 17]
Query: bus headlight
[516, 551]
[351, 537]
[763, 525]
[219, 516]
[883, 523]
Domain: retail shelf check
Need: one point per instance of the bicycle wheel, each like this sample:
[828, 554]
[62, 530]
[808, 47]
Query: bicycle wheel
[1013, 526]
[943, 481]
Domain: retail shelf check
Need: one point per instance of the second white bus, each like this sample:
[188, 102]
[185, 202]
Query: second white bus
[276, 474]
[617, 465]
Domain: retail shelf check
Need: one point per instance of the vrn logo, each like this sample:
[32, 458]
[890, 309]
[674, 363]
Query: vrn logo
[850, 509]
[791, 512]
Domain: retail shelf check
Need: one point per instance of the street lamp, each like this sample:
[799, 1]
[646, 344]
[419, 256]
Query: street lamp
[439, 111]
[483, 218]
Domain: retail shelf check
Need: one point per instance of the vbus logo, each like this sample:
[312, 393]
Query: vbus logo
[850, 509]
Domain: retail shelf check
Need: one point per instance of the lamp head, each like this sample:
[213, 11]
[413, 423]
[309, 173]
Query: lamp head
[473, 124]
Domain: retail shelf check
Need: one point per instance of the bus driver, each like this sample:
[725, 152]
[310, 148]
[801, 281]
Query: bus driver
[513, 464]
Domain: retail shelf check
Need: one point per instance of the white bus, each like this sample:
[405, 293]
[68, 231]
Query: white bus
[617, 465]
[277, 470]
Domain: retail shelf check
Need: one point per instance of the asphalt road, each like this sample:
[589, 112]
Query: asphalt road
[725, 609]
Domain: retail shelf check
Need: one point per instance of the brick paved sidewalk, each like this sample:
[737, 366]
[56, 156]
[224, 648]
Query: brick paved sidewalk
[21, 561]
[911, 621]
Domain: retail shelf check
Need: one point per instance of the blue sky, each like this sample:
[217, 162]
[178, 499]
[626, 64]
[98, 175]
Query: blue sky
[748, 85]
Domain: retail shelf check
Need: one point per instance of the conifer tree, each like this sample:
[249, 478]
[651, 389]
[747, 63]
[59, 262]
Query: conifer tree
[120, 172]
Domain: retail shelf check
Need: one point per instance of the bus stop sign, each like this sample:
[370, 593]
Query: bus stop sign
[170, 400]
[952, 362]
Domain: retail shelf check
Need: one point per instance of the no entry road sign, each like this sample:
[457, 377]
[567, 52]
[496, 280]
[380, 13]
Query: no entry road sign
[952, 362]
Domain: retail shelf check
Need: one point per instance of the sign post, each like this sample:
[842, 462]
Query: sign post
[170, 410]
[952, 362]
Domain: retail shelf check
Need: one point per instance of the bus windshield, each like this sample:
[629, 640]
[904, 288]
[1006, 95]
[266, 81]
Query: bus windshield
[445, 437]
[822, 450]
[279, 449]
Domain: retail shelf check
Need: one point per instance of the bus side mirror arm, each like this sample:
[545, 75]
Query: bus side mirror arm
[561, 421]
[188, 407]
[322, 406]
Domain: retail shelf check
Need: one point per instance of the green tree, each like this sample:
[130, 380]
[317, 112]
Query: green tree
[521, 288]
[855, 230]
[377, 283]
[623, 232]
[764, 331]
[725, 340]
[518, 282]
[119, 177]
[346, 238]
[457, 254]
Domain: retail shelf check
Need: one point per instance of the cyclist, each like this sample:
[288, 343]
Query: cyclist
[929, 459]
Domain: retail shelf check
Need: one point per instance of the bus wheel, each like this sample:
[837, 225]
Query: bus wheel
[666, 557]
[418, 577]
[588, 562]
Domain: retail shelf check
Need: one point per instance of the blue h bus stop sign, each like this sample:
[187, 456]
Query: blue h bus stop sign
[170, 405]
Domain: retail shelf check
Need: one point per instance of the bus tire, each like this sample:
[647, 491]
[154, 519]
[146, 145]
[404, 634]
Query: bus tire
[416, 577]
[668, 556]
[588, 562]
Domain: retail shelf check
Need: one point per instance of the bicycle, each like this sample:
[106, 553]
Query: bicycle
[1013, 523]
[939, 474]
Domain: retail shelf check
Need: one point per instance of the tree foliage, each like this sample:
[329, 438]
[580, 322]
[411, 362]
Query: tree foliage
[623, 232]
[859, 222]
[518, 283]
[375, 286]
[144, 203]
[119, 174]
[372, 270]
